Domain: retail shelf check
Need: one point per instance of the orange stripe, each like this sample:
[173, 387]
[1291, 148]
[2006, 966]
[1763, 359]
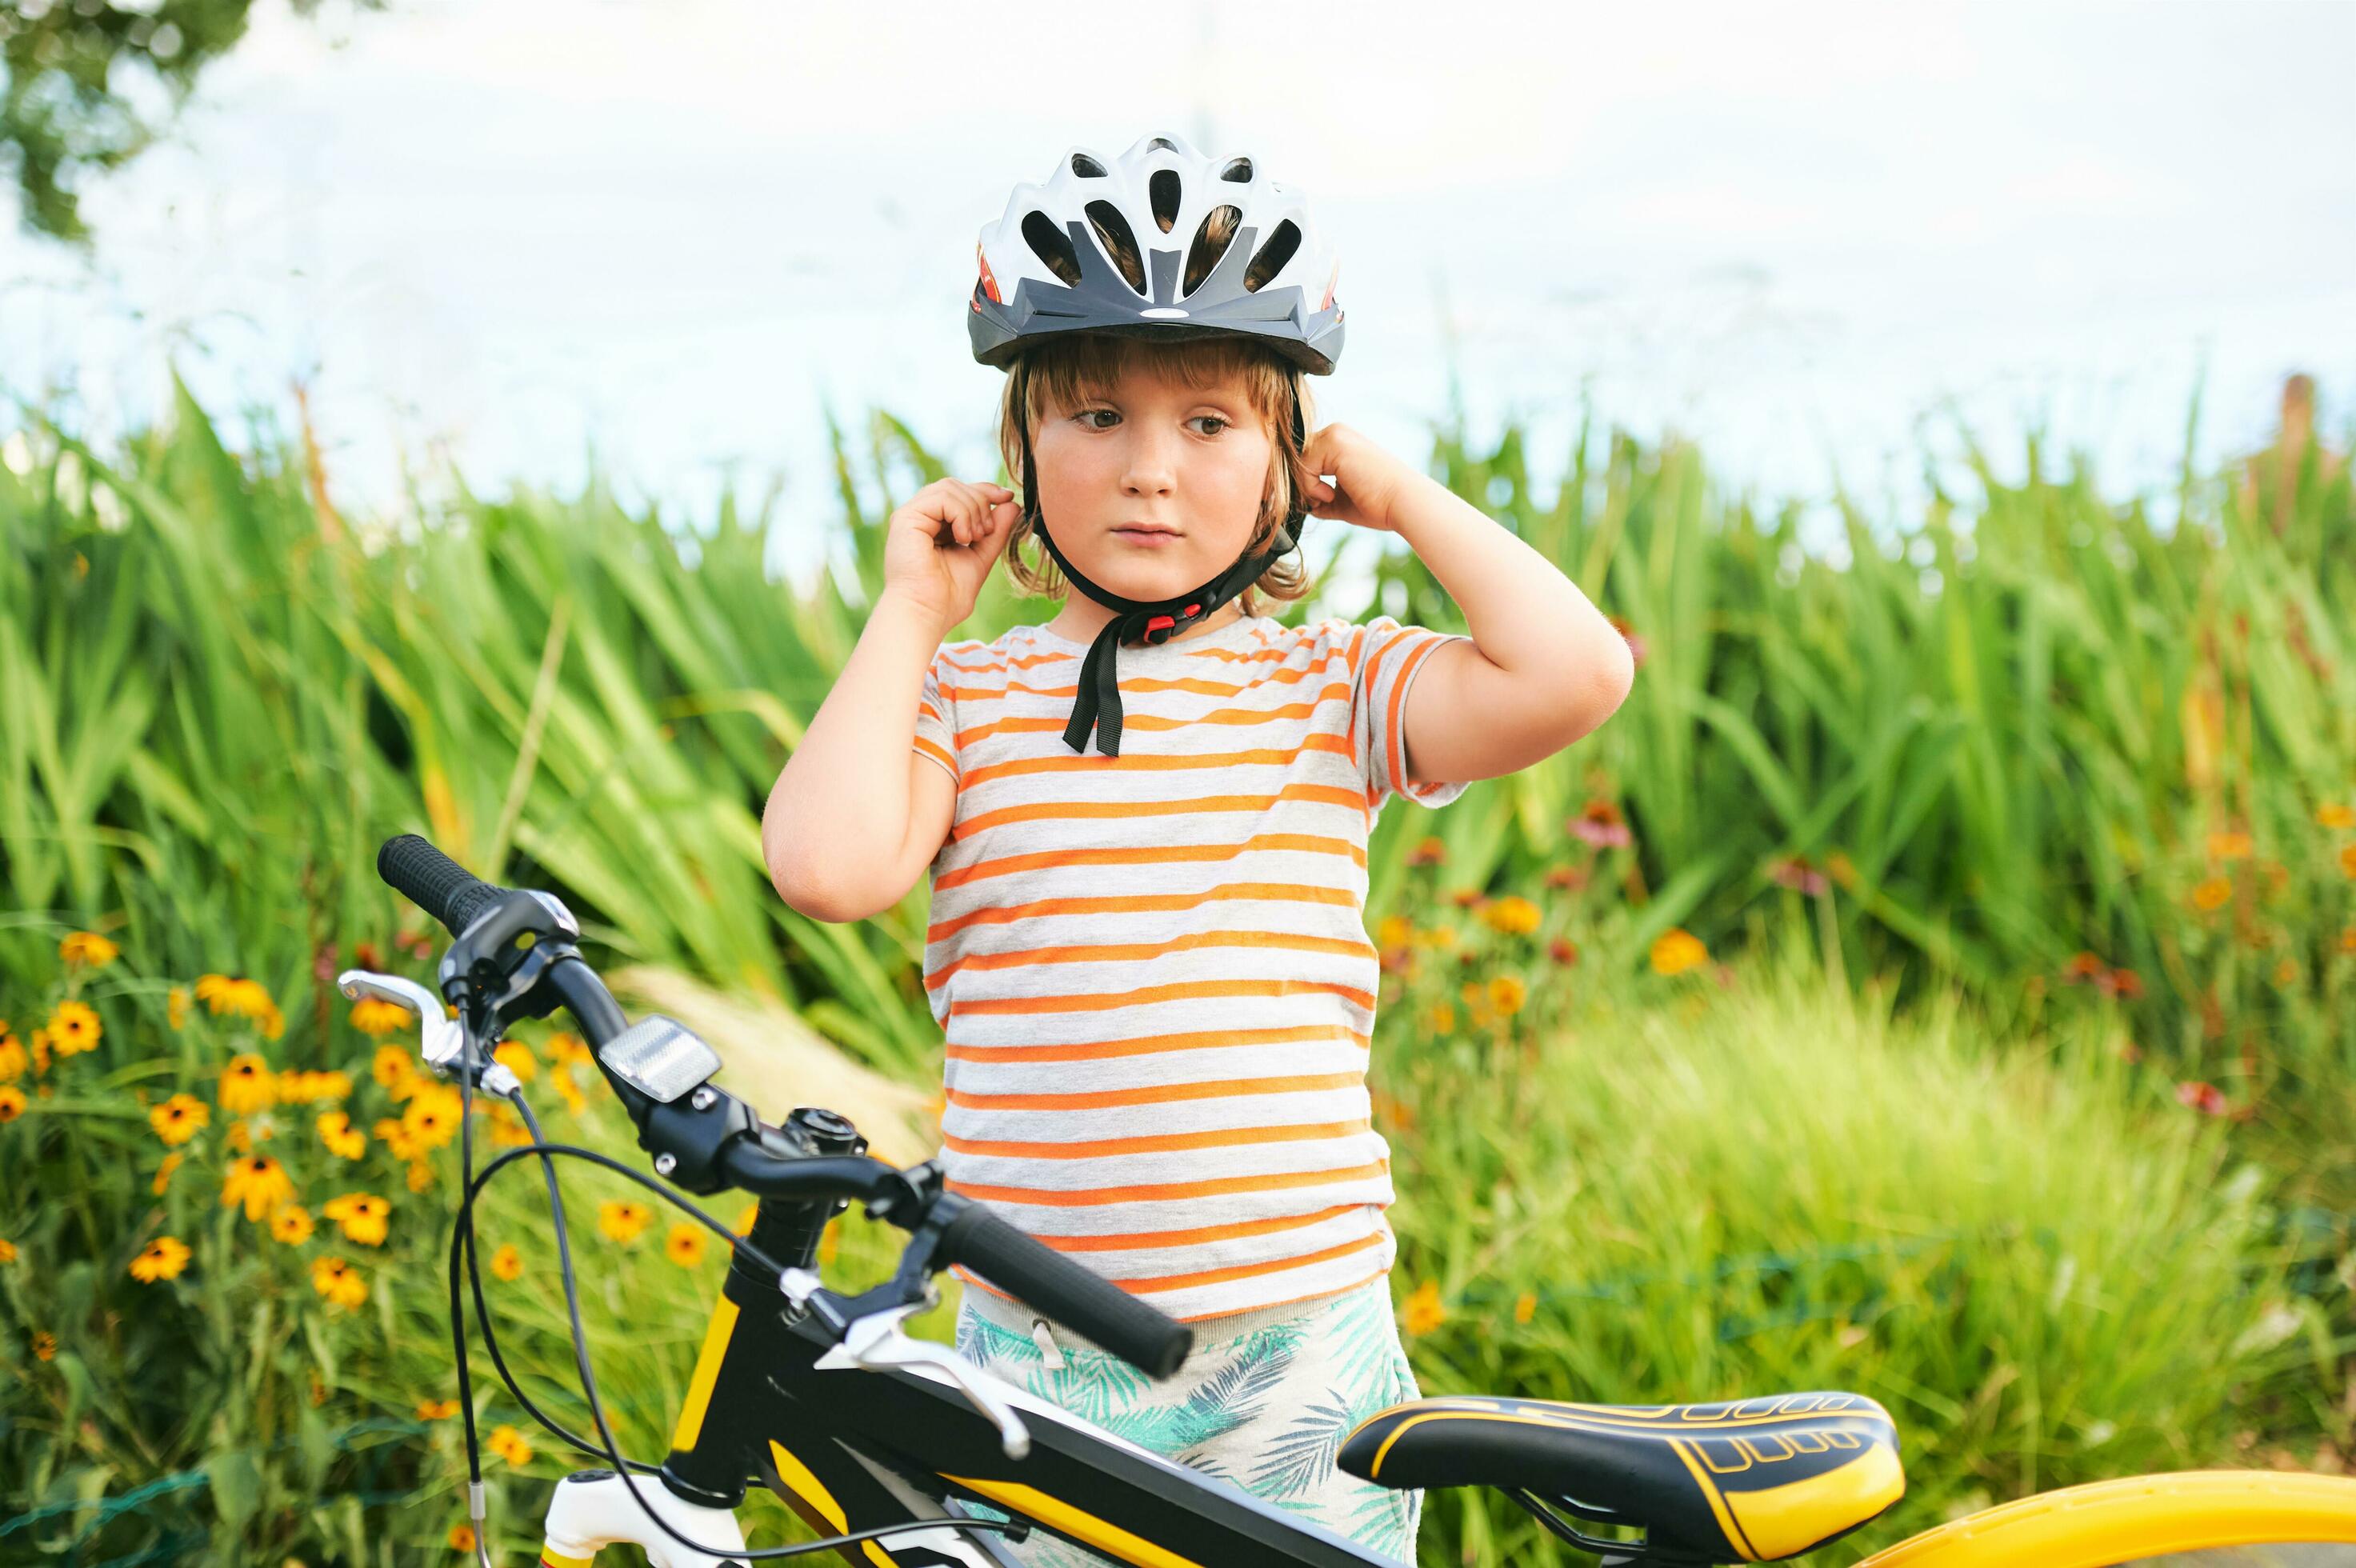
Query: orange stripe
[1143, 903]
[1152, 762]
[1127, 811]
[1179, 991]
[1150, 1044]
[1243, 716]
[1157, 1143]
[1151, 1282]
[1158, 1093]
[1415, 656]
[977, 1281]
[1145, 1240]
[938, 755]
[1139, 684]
[1154, 854]
[1016, 958]
[1152, 1192]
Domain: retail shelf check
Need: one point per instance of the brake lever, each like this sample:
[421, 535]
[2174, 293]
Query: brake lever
[444, 1043]
[875, 1343]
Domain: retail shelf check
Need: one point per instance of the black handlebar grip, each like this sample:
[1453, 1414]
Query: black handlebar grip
[1071, 1293]
[434, 883]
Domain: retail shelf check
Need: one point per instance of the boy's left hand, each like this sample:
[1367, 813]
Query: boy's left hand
[1365, 479]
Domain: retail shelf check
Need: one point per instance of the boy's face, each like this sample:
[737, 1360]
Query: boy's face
[1153, 453]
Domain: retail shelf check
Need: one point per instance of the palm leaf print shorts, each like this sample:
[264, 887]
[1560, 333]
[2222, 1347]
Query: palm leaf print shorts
[1262, 1403]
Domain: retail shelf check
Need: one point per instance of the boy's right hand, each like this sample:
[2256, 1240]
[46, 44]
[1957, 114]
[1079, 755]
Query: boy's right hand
[940, 546]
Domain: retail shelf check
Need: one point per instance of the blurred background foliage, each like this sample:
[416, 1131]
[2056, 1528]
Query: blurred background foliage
[2027, 822]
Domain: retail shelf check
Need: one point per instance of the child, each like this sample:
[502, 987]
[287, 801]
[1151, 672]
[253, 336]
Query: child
[1146, 820]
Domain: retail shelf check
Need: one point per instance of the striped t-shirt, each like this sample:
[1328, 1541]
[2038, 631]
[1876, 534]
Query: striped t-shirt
[1152, 970]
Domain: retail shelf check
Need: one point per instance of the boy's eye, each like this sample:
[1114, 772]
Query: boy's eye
[1214, 418]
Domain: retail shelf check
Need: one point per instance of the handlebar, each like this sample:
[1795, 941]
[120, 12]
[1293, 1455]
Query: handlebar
[972, 1234]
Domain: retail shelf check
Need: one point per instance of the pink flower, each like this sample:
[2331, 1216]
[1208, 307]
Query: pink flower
[1800, 877]
[2205, 1097]
[1600, 824]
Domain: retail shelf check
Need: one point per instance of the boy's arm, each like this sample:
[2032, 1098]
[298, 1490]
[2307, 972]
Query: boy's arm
[858, 813]
[1544, 667]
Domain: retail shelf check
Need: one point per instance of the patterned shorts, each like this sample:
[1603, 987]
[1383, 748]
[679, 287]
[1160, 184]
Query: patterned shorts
[1262, 1403]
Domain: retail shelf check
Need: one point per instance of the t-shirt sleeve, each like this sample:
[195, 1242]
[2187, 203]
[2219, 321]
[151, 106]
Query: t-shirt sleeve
[1389, 656]
[937, 716]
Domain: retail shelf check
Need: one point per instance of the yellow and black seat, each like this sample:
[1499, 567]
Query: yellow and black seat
[1746, 1481]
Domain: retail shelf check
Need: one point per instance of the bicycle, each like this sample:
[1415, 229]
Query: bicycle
[896, 1464]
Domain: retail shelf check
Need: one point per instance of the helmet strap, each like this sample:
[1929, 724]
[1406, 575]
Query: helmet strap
[1148, 621]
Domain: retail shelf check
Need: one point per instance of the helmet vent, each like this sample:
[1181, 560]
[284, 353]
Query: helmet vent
[1163, 189]
[1238, 170]
[1087, 168]
[1120, 242]
[1053, 246]
[1211, 243]
[1272, 257]
[1162, 144]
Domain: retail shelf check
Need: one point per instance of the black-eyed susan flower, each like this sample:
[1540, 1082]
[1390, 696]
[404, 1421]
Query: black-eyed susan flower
[1422, 1311]
[11, 1102]
[13, 1059]
[45, 1345]
[290, 1224]
[436, 1409]
[2229, 846]
[258, 1182]
[462, 1538]
[508, 1129]
[7, 1251]
[374, 1015]
[431, 1117]
[338, 1283]
[2211, 895]
[247, 1085]
[163, 1174]
[343, 1140]
[1676, 951]
[88, 948]
[1427, 851]
[567, 1048]
[2335, 815]
[622, 1221]
[175, 1006]
[509, 1445]
[1525, 1306]
[391, 1067]
[1506, 995]
[1512, 916]
[179, 1119]
[2348, 860]
[363, 1216]
[164, 1259]
[506, 1264]
[684, 1245]
[74, 1028]
[517, 1058]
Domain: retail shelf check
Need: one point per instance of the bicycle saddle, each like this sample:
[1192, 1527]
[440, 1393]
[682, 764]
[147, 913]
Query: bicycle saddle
[1744, 1481]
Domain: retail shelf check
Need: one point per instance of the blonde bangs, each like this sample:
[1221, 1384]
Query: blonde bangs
[1060, 374]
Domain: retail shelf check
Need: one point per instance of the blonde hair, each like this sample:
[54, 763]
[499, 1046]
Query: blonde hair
[1059, 373]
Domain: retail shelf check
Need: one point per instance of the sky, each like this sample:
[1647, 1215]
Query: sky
[666, 240]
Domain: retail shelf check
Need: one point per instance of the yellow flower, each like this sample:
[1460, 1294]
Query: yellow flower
[508, 1129]
[163, 1174]
[436, 1409]
[310, 1087]
[259, 1183]
[7, 1251]
[373, 1015]
[509, 1445]
[164, 1258]
[1513, 916]
[90, 947]
[2229, 846]
[179, 1119]
[1506, 995]
[430, 1119]
[684, 1245]
[175, 1006]
[45, 1345]
[240, 1138]
[390, 1067]
[74, 1028]
[506, 1264]
[291, 1224]
[1525, 1306]
[363, 1215]
[344, 1141]
[1422, 1312]
[517, 1058]
[1676, 951]
[338, 1283]
[2287, 972]
[1443, 1019]
[1396, 931]
[752, 1211]
[247, 1085]
[13, 1060]
[2211, 895]
[396, 1142]
[462, 1538]
[830, 1242]
[623, 1222]
[11, 1102]
[419, 1176]
[2348, 860]
[567, 1048]
[570, 1093]
[2336, 815]
[1440, 936]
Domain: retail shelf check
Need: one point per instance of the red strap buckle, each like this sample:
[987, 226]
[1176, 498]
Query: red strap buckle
[1160, 623]
[1193, 609]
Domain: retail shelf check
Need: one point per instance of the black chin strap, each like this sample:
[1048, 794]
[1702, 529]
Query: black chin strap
[1141, 620]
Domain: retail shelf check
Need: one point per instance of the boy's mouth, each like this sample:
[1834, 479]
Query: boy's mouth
[1146, 534]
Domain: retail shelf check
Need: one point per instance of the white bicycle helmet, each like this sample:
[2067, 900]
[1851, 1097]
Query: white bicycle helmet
[1134, 246]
